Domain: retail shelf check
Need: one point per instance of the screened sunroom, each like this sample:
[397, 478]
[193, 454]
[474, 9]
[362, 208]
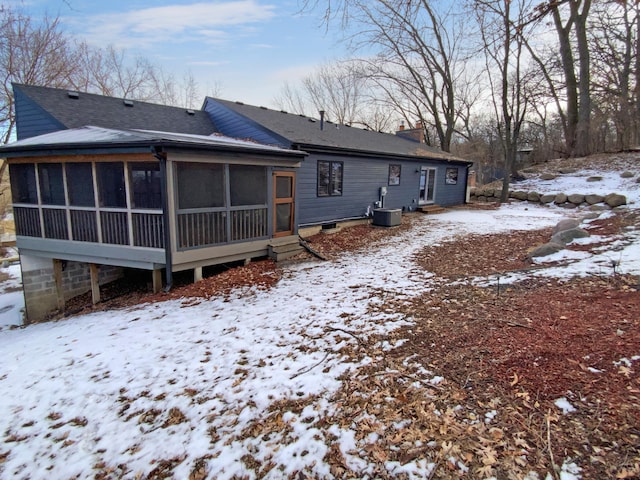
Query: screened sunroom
[149, 200]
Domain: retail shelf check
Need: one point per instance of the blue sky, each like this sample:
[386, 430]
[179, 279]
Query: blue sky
[248, 48]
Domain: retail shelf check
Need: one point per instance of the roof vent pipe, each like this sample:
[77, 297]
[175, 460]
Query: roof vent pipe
[321, 119]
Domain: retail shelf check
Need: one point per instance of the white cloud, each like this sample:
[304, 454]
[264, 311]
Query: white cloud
[197, 21]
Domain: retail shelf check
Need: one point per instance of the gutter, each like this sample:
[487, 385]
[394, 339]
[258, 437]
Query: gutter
[161, 155]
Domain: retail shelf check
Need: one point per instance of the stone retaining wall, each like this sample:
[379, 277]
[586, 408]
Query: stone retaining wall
[612, 200]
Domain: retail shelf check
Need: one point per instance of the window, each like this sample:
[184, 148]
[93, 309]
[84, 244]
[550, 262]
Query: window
[394, 174]
[200, 185]
[451, 177]
[247, 185]
[23, 183]
[145, 185]
[80, 184]
[111, 184]
[329, 178]
[51, 184]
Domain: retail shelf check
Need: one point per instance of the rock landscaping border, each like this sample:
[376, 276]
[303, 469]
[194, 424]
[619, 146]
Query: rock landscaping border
[573, 200]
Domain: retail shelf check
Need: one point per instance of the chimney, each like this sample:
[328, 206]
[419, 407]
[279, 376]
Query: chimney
[321, 119]
[401, 128]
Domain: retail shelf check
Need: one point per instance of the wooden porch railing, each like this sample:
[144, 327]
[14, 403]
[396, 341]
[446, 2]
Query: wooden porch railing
[141, 228]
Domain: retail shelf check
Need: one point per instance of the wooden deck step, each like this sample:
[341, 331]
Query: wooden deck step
[431, 209]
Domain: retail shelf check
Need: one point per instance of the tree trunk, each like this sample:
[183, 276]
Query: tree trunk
[583, 130]
[571, 82]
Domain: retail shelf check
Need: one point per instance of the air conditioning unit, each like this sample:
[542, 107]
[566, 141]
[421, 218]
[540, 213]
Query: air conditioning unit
[387, 217]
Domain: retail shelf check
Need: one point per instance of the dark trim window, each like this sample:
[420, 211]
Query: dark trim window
[23, 183]
[145, 185]
[451, 177]
[394, 174]
[329, 178]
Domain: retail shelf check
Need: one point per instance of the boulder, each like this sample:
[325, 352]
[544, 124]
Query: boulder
[481, 198]
[593, 199]
[576, 198]
[595, 178]
[638, 180]
[547, 198]
[566, 236]
[560, 198]
[598, 208]
[548, 176]
[565, 171]
[615, 200]
[533, 197]
[488, 192]
[566, 224]
[544, 250]
[519, 195]
[627, 174]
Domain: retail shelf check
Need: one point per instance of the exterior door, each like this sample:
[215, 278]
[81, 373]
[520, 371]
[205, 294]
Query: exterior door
[427, 185]
[284, 184]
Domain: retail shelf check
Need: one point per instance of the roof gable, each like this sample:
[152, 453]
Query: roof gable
[310, 133]
[69, 109]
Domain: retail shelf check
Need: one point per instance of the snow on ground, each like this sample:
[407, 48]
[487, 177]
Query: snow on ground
[185, 379]
[11, 297]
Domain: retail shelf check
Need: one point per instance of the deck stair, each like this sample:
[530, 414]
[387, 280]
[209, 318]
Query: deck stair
[431, 209]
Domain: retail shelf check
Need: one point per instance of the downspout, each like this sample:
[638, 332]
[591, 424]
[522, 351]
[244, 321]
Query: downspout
[168, 260]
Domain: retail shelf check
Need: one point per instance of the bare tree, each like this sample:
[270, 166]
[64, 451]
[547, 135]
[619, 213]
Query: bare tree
[30, 53]
[613, 39]
[502, 43]
[570, 23]
[340, 89]
[420, 56]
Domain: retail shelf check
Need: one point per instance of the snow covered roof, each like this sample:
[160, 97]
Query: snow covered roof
[96, 137]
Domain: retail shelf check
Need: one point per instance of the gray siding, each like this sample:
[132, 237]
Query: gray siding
[234, 125]
[362, 179]
[31, 119]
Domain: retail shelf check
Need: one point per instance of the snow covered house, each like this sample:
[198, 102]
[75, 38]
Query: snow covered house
[101, 184]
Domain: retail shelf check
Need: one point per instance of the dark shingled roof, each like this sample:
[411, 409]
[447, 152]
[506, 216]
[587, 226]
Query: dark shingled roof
[111, 112]
[306, 133]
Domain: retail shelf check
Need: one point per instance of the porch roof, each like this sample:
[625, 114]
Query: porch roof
[90, 137]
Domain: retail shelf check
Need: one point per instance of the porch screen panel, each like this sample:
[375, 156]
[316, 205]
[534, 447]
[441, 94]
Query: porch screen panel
[23, 183]
[55, 223]
[27, 221]
[247, 185]
[202, 229]
[283, 217]
[80, 184]
[200, 185]
[111, 184]
[145, 185]
[115, 228]
[148, 230]
[84, 227]
[249, 223]
[51, 184]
